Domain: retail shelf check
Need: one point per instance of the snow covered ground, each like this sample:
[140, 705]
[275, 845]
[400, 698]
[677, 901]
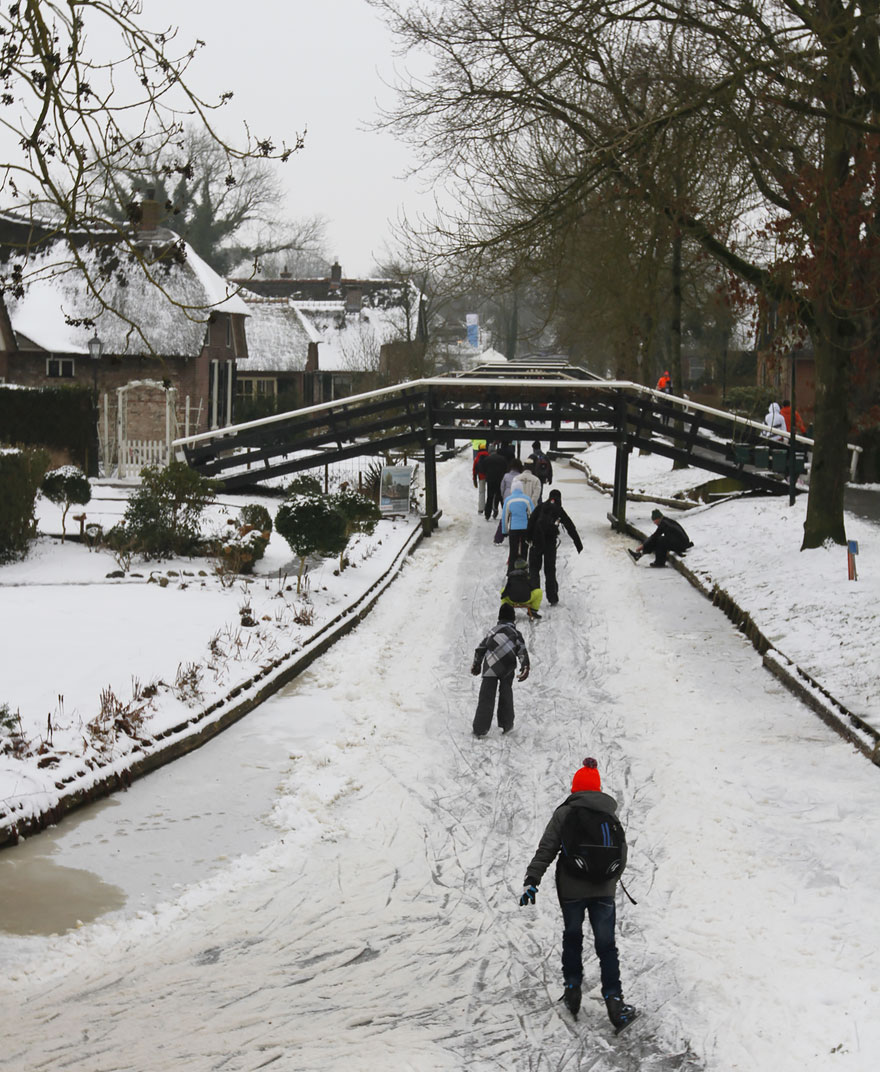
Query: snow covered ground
[153, 650]
[379, 927]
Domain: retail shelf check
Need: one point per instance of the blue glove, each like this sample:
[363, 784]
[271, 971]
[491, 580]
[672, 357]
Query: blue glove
[528, 895]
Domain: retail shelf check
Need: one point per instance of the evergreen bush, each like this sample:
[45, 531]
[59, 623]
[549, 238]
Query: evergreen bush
[59, 417]
[304, 484]
[360, 512]
[312, 526]
[64, 487]
[163, 515]
[20, 474]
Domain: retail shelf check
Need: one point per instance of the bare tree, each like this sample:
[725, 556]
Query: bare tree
[228, 211]
[532, 109]
[79, 116]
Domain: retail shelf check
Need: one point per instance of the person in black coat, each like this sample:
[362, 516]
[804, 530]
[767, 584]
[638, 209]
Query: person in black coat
[543, 535]
[667, 536]
[493, 467]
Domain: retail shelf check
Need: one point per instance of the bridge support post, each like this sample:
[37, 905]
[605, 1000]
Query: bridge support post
[431, 506]
[618, 495]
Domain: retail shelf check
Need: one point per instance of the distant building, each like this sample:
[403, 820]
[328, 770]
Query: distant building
[184, 337]
[314, 340]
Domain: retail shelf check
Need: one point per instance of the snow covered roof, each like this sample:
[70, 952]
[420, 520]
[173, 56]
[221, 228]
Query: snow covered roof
[278, 336]
[491, 357]
[170, 313]
[279, 330]
[352, 340]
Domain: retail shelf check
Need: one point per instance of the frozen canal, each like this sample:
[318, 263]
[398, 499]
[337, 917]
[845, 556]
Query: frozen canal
[333, 884]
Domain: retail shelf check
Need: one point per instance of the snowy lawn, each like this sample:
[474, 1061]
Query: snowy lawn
[152, 649]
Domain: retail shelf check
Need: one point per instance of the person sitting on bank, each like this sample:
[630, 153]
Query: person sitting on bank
[667, 536]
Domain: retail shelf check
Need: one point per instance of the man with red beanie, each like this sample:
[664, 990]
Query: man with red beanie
[587, 841]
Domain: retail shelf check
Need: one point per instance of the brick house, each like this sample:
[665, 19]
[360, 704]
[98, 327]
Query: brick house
[177, 346]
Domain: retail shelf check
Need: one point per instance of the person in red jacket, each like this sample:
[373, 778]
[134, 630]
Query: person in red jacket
[785, 410]
[665, 383]
[480, 478]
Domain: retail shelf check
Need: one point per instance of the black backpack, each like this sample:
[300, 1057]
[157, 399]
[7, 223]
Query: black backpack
[541, 469]
[518, 588]
[593, 844]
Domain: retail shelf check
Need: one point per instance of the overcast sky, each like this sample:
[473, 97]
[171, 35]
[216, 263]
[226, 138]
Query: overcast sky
[315, 65]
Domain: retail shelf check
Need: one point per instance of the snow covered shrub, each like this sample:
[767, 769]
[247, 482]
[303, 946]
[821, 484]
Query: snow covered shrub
[303, 484]
[361, 514]
[116, 719]
[12, 738]
[312, 526]
[20, 474]
[163, 515]
[121, 544]
[245, 543]
[64, 487]
[257, 517]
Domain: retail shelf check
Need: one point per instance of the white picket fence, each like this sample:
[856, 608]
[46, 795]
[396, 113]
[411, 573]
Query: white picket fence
[137, 453]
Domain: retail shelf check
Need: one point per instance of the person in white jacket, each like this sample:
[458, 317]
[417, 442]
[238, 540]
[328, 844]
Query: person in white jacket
[775, 421]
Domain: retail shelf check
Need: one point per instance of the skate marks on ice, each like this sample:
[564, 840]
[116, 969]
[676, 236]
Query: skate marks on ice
[492, 801]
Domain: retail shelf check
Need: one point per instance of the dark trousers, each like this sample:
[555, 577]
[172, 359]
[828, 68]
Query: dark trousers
[519, 545]
[545, 557]
[486, 704]
[661, 546]
[602, 917]
[493, 497]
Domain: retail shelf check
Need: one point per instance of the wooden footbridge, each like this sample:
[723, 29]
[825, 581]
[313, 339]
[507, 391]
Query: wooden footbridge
[520, 402]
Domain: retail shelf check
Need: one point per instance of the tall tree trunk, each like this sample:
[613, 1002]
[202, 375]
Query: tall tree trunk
[829, 471]
[675, 329]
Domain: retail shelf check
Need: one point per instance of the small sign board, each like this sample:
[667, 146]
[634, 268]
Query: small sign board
[852, 549]
[394, 488]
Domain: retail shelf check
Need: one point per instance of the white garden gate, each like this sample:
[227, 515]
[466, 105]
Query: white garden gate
[132, 454]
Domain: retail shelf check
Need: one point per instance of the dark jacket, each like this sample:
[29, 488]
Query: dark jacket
[569, 887]
[544, 526]
[493, 467]
[671, 534]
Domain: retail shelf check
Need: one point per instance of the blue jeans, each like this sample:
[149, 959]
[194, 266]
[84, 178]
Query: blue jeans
[601, 912]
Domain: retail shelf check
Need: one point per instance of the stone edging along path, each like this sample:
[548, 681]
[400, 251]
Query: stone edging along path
[211, 720]
[832, 712]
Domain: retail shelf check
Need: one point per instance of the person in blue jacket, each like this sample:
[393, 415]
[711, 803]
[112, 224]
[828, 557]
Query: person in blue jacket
[515, 513]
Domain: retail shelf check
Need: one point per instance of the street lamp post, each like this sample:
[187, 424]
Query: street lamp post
[96, 348]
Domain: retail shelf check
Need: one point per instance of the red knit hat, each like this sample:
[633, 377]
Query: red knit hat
[587, 777]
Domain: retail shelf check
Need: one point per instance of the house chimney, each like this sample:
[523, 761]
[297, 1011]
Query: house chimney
[285, 273]
[150, 211]
[335, 277]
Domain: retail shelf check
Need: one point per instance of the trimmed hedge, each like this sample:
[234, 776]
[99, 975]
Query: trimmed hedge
[59, 417]
[20, 474]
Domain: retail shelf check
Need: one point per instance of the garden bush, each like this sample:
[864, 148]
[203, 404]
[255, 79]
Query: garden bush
[312, 526]
[304, 484]
[163, 516]
[360, 512]
[20, 474]
[66, 486]
[246, 543]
